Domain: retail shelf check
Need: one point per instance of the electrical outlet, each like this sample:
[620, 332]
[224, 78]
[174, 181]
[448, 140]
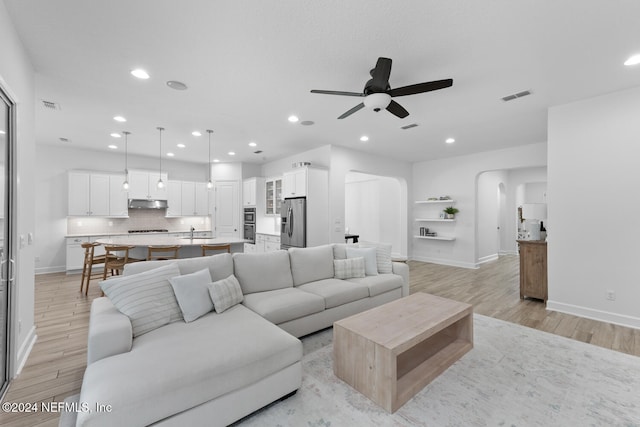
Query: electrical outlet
[611, 295]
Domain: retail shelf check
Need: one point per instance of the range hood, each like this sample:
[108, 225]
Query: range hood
[147, 204]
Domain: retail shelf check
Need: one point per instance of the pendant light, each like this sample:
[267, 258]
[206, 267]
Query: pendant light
[160, 183]
[210, 182]
[125, 184]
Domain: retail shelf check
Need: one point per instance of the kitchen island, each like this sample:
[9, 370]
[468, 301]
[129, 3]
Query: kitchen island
[189, 247]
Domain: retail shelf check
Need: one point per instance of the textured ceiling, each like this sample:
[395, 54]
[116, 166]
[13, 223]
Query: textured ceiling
[250, 64]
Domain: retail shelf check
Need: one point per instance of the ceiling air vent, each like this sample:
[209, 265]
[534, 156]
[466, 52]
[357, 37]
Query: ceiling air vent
[516, 95]
[257, 152]
[51, 105]
[412, 125]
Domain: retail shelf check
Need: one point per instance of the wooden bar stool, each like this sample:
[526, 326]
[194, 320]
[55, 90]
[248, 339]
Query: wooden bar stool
[117, 257]
[216, 248]
[162, 252]
[89, 261]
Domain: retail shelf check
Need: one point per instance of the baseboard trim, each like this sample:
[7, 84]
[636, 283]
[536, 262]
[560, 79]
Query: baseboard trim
[445, 262]
[487, 258]
[25, 350]
[508, 252]
[590, 313]
[46, 270]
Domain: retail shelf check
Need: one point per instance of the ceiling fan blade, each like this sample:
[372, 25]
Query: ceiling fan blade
[420, 88]
[336, 92]
[397, 109]
[380, 74]
[353, 110]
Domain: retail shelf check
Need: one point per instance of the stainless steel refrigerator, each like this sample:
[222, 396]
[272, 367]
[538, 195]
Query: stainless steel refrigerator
[293, 228]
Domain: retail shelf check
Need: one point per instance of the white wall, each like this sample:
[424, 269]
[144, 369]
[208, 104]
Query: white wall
[456, 177]
[52, 195]
[17, 77]
[593, 201]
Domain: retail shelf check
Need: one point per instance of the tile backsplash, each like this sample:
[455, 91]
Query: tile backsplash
[139, 219]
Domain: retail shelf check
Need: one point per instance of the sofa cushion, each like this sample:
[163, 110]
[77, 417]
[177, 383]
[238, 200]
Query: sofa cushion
[183, 365]
[380, 284]
[336, 292]
[369, 255]
[348, 268]
[340, 249]
[220, 266]
[225, 293]
[146, 298]
[259, 272]
[383, 255]
[282, 305]
[192, 294]
[311, 264]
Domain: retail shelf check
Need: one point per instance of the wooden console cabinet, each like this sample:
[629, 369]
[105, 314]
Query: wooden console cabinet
[533, 269]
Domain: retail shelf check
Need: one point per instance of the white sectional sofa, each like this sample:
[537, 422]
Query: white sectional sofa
[221, 367]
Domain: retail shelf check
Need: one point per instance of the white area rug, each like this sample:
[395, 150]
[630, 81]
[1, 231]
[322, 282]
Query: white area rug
[514, 376]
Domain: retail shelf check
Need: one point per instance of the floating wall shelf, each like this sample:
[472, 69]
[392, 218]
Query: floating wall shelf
[435, 238]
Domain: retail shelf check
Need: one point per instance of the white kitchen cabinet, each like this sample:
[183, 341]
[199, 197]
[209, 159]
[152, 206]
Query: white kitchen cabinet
[144, 185]
[174, 198]
[294, 183]
[188, 198]
[250, 248]
[249, 192]
[267, 243]
[202, 199]
[88, 194]
[75, 251]
[273, 196]
[118, 197]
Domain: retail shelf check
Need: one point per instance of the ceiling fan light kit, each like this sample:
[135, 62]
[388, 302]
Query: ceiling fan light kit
[377, 93]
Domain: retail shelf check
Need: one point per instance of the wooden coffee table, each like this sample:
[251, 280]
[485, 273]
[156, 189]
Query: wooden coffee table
[389, 353]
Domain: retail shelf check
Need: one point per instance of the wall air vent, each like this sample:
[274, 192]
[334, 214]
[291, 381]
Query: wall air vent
[412, 125]
[516, 95]
[51, 105]
[62, 139]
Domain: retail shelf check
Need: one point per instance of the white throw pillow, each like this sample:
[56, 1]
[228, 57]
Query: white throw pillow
[146, 298]
[192, 293]
[383, 256]
[225, 293]
[348, 268]
[369, 255]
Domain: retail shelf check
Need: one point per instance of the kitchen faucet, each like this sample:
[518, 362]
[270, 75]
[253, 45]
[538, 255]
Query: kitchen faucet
[192, 230]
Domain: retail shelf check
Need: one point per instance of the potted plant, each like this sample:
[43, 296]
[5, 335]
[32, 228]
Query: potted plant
[450, 212]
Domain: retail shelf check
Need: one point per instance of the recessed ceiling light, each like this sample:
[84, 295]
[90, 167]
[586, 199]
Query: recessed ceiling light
[174, 84]
[2, 132]
[364, 138]
[293, 119]
[633, 60]
[119, 119]
[116, 135]
[450, 140]
[170, 154]
[113, 147]
[196, 133]
[252, 144]
[140, 73]
[231, 153]
[180, 145]
[216, 160]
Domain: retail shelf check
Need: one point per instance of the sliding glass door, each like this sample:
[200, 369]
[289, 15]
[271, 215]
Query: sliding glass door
[6, 257]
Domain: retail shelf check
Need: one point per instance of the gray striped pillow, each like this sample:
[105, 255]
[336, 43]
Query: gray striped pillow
[383, 255]
[225, 293]
[348, 268]
[146, 298]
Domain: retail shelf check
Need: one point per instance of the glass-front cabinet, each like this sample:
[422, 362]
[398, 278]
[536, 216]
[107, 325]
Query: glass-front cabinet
[273, 194]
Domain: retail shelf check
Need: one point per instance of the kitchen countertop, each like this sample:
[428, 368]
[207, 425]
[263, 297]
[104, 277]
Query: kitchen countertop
[129, 234]
[161, 239]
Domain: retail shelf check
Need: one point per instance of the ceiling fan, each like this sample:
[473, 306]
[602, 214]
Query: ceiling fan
[377, 93]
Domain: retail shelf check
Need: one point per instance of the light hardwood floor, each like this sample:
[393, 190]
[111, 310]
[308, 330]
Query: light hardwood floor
[55, 367]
